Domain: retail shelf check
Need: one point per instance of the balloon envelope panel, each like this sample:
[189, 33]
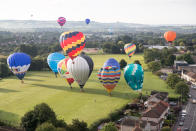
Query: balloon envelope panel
[87, 21]
[53, 60]
[111, 62]
[134, 76]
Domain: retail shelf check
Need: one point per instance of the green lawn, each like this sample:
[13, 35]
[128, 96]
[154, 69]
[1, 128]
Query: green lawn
[93, 104]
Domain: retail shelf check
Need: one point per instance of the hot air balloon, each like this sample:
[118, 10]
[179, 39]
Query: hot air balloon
[130, 49]
[81, 69]
[134, 76]
[170, 36]
[19, 63]
[53, 59]
[109, 74]
[72, 43]
[61, 21]
[87, 21]
[62, 69]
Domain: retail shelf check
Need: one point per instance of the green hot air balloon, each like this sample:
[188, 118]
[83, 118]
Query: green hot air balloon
[134, 75]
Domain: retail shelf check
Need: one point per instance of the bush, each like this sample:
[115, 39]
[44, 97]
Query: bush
[123, 63]
[41, 113]
[182, 88]
[158, 73]
[77, 126]
[154, 66]
[46, 127]
[172, 80]
[137, 62]
[110, 127]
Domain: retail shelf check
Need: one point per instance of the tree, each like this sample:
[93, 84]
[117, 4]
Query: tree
[154, 66]
[41, 113]
[122, 63]
[188, 58]
[137, 62]
[170, 60]
[77, 126]
[109, 127]
[172, 80]
[166, 128]
[182, 88]
[181, 43]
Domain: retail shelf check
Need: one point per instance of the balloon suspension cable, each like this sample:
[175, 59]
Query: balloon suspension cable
[22, 82]
[110, 94]
[70, 86]
[55, 74]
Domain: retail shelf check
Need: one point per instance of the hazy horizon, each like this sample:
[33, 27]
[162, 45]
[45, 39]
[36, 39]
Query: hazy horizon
[150, 12]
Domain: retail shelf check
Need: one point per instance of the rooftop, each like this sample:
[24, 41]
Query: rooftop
[184, 62]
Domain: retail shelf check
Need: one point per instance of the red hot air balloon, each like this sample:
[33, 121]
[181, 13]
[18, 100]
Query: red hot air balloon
[170, 36]
[72, 43]
[61, 21]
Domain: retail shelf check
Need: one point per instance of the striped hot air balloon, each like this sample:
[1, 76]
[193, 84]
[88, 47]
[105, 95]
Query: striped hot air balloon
[72, 43]
[62, 69]
[61, 21]
[109, 74]
[130, 49]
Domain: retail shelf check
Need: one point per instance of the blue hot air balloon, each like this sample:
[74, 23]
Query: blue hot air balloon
[134, 75]
[19, 63]
[87, 21]
[53, 60]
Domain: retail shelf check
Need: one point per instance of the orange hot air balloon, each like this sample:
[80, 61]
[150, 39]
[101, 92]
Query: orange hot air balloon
[170, 36]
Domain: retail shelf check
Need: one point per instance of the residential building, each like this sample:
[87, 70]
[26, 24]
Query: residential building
[179, 63]
[156, 114]
[189, 76]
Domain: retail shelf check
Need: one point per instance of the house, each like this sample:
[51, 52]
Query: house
[131, 123]
[179, 63]
[166, 70]
[156, 114]
[189, 76]
[156, 98]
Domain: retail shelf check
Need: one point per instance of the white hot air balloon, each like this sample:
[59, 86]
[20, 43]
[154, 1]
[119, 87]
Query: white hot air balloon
[80, 68]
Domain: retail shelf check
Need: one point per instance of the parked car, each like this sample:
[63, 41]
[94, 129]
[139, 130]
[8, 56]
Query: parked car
[193, 86]
[181, 123]
[189, 95]
[186, 129]
[194, 101]
[183, 113]
[182, 118]
[172, 103]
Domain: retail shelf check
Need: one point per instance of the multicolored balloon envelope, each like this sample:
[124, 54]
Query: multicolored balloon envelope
[170, 36]
[130, 49]
[87, 21]
[109, 74]
[53, 59]
[19, 63]
[72, 43]
[62, 69]
[134, 75]
[61, 21]
[80, 68]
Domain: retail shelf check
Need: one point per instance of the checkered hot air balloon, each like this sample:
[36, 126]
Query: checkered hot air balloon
[19, 63]
[109, 74]
[61, 21]
[62, 69]
[72, 43]
[134, 75]
[130, 49]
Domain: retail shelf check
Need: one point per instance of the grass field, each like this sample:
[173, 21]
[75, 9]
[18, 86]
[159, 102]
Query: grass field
[93, 104]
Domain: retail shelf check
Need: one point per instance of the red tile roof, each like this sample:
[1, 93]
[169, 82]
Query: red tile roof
[156, 111]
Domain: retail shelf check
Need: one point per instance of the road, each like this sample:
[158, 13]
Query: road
[190, 119]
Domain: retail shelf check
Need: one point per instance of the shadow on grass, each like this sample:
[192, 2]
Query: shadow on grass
[9, 118]
[116, 94]
[2, 90]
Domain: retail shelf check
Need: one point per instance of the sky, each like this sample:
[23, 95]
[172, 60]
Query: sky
[129, 11]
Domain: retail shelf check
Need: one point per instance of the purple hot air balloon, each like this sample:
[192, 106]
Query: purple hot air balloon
[61, 21]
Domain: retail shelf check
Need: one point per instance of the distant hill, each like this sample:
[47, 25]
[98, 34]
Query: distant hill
[32, 25]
